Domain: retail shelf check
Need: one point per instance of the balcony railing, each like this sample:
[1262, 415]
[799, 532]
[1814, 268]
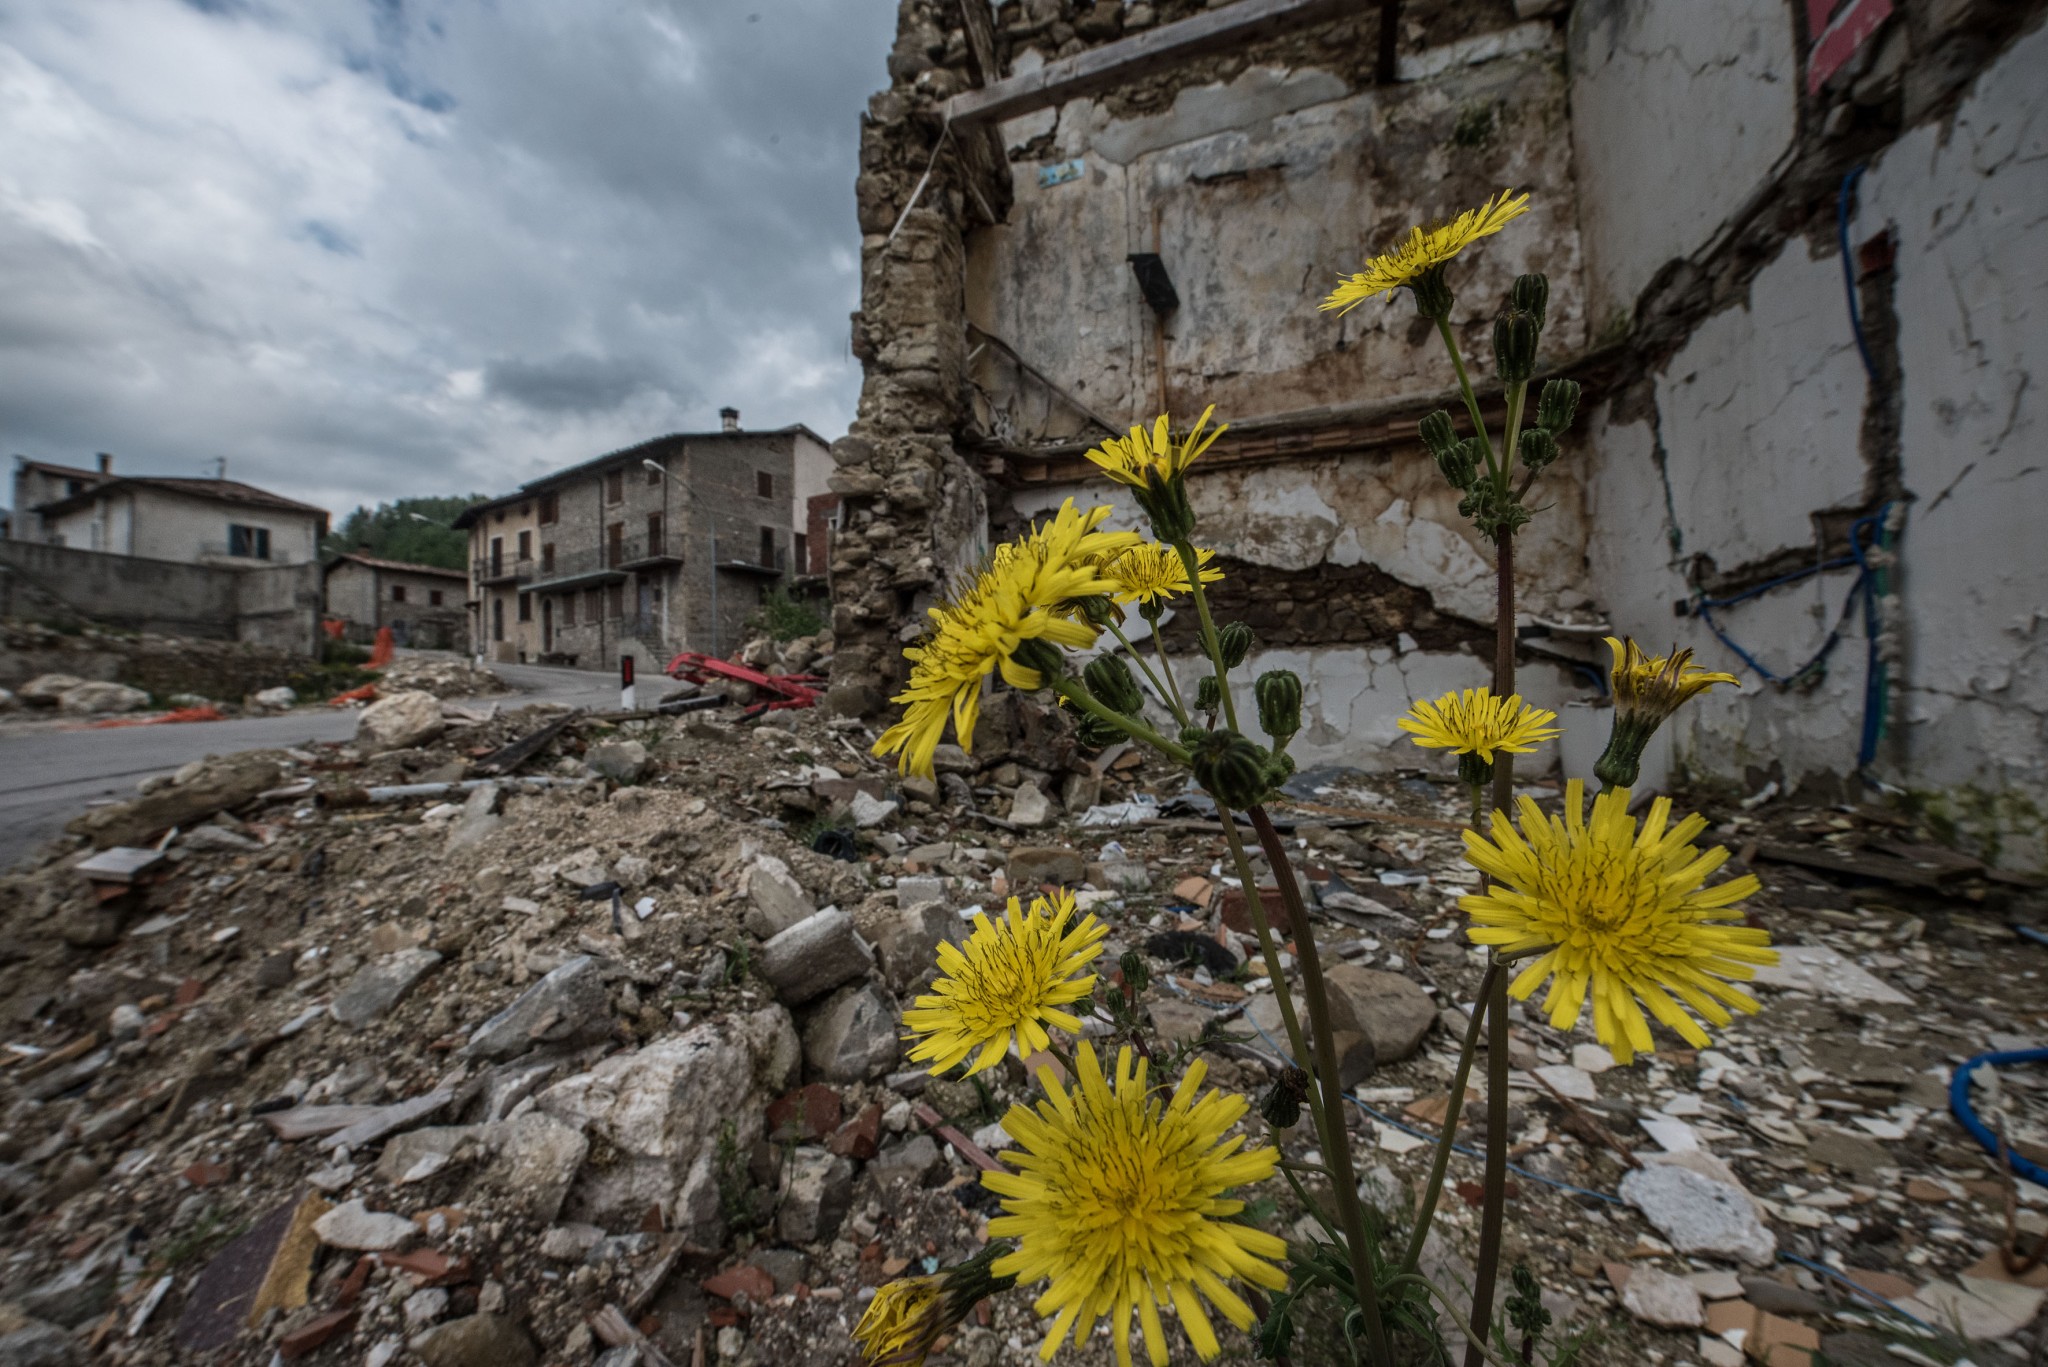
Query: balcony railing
[503, 569]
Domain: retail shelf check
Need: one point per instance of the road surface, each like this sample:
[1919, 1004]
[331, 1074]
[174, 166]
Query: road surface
[47, 775]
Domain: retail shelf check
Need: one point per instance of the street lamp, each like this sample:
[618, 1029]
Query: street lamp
[658, 468]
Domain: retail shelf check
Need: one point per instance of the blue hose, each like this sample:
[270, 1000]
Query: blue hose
[1959, 1104]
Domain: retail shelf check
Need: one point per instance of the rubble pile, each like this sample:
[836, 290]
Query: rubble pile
[441, 675]
[163, 666]
[544, 1037]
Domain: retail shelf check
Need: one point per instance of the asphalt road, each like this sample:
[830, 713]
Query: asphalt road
[48, 775]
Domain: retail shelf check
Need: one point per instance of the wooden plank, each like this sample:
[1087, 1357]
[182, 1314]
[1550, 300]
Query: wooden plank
[1877, 867]
[1113, 63]
[507, 758]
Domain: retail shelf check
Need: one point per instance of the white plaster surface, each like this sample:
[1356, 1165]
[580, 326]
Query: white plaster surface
[1680, 111]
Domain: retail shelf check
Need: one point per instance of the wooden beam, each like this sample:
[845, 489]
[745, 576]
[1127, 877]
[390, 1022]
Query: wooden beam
[983, 157]
[1084, 73]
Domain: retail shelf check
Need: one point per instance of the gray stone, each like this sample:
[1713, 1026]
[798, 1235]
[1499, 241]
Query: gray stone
[1699, 1215]
[44, 690]
[814, 956]
[911, 892]
[476, 1341]
[88, 698]
[621, 761]
[1030, 807]
[772, 1043]
[1122, 875]
[852, 1037]
[908, 942]
[539, 1157]
[1659, 1298]
[418, 1154]
[217, 839]
[867, 812]
[32, 1343]
[947, 758]
[399, 721]
[632, 870]
[1850, 1153]
[1179, 1022]
[816, 1191]
[699, 1214]
[353, 1227]
[425, 1306]
[786, 1265]
[569, 1006]
[569, 1243]
[279, 699]
[378, 987]
[1388, 1009]
[507, 1085]
[1033, 865]
[916, 1161]
[78, 1292]
[1768, 1293]
[777, 900]
[479, 817]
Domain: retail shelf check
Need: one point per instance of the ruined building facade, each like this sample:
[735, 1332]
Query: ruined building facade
[1077, 216]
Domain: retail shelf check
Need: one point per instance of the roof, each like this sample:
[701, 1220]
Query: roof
[212, 490]
[402, 566]
[64, 471]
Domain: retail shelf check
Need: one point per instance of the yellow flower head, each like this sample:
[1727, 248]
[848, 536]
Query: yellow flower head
[1025, 594]
[1151, 573]
[906, 1317]
[1623, 916]
[1655, 686]
[1131, 460]
[1119, 1203]
[1012, 978]
[1475, 722]
[1424, 249]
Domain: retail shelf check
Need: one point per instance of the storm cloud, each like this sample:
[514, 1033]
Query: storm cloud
[370, 248]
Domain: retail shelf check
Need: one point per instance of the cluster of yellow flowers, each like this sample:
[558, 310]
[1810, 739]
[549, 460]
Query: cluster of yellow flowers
[1118, 1198]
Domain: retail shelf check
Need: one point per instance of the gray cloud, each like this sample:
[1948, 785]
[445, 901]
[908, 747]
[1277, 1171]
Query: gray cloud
[366, 248]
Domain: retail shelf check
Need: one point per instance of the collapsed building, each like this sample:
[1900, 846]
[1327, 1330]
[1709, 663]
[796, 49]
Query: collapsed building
[1796, 254]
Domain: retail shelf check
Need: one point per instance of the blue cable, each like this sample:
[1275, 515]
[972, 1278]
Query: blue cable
[1858, 1288]
[1959, 1105]
[2029, 933]
[1849, 268]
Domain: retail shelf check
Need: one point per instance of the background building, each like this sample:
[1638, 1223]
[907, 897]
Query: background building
[665, 546]
[425, 606]
[159, 517]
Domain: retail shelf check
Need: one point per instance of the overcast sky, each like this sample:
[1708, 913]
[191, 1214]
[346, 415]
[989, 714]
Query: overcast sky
[372, 248]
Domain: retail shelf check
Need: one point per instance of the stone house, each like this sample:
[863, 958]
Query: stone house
[1798, 255]
[159, 517]
[665, 546]
[425, 606]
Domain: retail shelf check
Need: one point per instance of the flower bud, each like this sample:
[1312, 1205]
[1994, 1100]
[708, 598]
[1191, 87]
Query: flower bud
[1279, 768]
[1460, 464]
[1514, 346]
[1097, 734]
[1473, 771]
[1281, 1106]
[1438, 434]
[1109, 679]
[1235, 641]
[1559, 401]
[1042, 657]
[1538, 448]
[1531, 294]
[1208, 694]
[1137, 973]
[1165, 501]
[1279, 695]
[1099, 609]
[1433, 297]
[1192, 735]
[1231, 768]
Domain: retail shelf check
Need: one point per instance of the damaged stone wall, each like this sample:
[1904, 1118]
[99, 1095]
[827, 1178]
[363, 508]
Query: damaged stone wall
[1750, 432]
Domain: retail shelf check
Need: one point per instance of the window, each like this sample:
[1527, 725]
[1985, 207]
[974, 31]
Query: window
[547, 557]
[398, 593]
[434, 598]
[764, 484]
[253, 542]
[73, 488]
[653, 475]
[525, 509]
[615, 486]
[550, 511]
[526, 545]
[568, 609]
[526, 607]
[618, 601]
[497, 619]
[799, 552]
[593, 605]
[654, 546]
[497, 556]
[767, 546]
[615, 543]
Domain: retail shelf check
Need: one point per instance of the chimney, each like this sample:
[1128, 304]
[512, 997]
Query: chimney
[729, 419]
[106, 462]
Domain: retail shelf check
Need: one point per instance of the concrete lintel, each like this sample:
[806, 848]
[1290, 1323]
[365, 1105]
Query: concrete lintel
[1099, 68]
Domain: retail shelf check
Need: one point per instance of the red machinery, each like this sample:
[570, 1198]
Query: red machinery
[773, 692]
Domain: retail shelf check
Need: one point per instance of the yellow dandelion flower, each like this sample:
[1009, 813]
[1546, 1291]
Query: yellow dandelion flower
[1118, 1202]
[1026, 593]
[1655, 686]
[1151, 573]
[1623, 917]
[1424, 249]
[1132, 459]
[1009, 982]
[1475, 722]
[903, 1321]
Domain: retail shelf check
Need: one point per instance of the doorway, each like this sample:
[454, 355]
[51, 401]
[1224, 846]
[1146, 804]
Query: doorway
[547, 624]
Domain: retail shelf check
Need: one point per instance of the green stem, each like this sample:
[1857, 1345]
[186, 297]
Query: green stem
[1476, 1348]
[1166, 665]
[1443, 330]
[1495, 1179]
[1337, 1138]
[1308, 1202]
[1075, 692]
[1517, 395]
[1214, 648]
[1270, 952]
[1426, 1212]
[1170, 698]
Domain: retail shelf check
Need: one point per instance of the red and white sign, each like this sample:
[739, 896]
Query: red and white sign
[1853, 24]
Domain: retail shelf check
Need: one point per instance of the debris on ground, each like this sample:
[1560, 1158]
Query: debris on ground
[525, 1035]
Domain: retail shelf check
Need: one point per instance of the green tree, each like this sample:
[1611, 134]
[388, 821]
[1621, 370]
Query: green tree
[414, 530]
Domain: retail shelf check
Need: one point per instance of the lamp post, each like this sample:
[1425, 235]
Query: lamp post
[667, 479]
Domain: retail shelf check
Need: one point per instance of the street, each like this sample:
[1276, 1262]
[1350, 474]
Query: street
[47, 776]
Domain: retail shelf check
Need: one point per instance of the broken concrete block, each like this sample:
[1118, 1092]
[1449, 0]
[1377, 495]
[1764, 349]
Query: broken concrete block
[852, 1037]
[814, 956]
[359, 1229]
[1389, 1010]
[777, 900]
[908, 943]
[1698, 1214]
[816, 1191]
[399, 721]
[569, 1006]
[1033, 865]
[379, 986]
[621, 761]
